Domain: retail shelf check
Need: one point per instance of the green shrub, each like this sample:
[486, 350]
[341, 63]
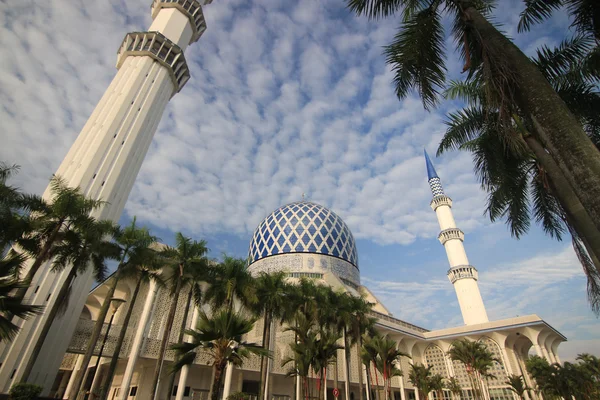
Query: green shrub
[25, 391]
[238, 396]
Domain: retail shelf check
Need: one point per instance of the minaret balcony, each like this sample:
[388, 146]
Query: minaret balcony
[190, 8]
[440, 200]
[157, 46]
[462, 272]
[449, 234]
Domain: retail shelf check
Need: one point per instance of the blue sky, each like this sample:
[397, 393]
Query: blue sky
[288, 97]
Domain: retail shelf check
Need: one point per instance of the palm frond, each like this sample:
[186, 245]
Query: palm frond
[590, 270]
[417, 57]
[463, 126]
[537, 11]
[547, 210]
[377, 8]
[567, 60]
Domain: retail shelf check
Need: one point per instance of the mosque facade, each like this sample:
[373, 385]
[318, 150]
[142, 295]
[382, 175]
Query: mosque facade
[307, 240]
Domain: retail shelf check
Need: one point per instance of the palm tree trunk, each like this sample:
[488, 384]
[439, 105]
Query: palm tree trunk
[264, 361]
[91, 345]
[347, 365]
[62, 296]
[115, 357]
[218, 380]
[359, 363]
[369, 380]
[376, 380]
[558, 130]
[180, 338]
[579, 217]
[165, 339]
[39, 260]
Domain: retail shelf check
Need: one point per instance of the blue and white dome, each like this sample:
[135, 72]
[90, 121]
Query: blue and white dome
[303, 227]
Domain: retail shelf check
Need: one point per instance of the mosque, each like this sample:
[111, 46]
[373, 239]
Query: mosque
[304, 239]
[307, 240]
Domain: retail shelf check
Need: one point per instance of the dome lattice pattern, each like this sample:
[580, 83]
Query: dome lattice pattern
[303, 227]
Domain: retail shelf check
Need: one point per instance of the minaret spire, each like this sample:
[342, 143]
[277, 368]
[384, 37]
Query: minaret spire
[462, 275]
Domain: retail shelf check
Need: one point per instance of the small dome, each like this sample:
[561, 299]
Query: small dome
[303, 227]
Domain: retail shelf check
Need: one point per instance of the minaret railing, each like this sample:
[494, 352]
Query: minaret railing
[441, 200]
[160, 48]
[449, 234]
[190, 8]
[462, 272]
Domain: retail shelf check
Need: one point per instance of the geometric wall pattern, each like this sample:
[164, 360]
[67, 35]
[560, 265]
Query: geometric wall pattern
[303, 227]
[435, 184]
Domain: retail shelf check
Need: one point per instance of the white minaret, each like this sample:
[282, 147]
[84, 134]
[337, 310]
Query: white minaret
[104, 162]
[462, 275]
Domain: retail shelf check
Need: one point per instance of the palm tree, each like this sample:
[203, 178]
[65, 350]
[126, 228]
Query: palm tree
[195, 278]
[513, 81]
[325, 350]
[220, 336]
[185, 259]
[68, 209]
[387, 356]
[517, 385]
[230, 280]
[303, 346]
[477, 359]
[271, 296]
[15, 208]
[454, 387]
[10, 306]
[369, 356]
[515, 177]
[135, 247]
[436, 384]
[142, 274]
[87, 245]
[361, 323]
[420, 377]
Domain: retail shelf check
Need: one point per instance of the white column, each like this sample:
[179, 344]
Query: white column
[346, 375]
[183, 375]
[228, 376]
[298, 387]
[138, 340]
[73, 373]
[368, 391]
[402, 394]
[540, 352]
[97, 379]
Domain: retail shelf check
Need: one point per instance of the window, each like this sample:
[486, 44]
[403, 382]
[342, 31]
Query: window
[174, 390]
[133, 391]
[186, 392]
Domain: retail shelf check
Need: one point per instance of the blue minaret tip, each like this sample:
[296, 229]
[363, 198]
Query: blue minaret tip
[430, 168]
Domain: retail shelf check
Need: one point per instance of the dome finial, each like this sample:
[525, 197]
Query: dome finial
[430, 168]
[303, 196]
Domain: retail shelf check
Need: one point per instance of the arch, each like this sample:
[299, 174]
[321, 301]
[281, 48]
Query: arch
[498, 368]
[434, 357]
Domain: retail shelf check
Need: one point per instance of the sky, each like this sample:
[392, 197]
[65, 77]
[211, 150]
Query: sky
[285, 98]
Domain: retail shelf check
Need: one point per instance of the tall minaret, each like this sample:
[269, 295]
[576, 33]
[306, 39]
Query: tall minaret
[462, 275]
[104, 162]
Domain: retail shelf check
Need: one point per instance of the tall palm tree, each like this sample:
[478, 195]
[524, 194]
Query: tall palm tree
[420, 377]
[135, 247]
[10, 306]
[515, 177]
[370, 356]
[361, 323]
[514, 82]
[68, 209]
[220, 336]
[271, 295]
[387, 356]
[142, 274]
[194, 279]
[302, 324]
[477, 359]
[85, 246]
[183, 260]
[325, 350]
[230, 281]
[453, 385]
[517, 385]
